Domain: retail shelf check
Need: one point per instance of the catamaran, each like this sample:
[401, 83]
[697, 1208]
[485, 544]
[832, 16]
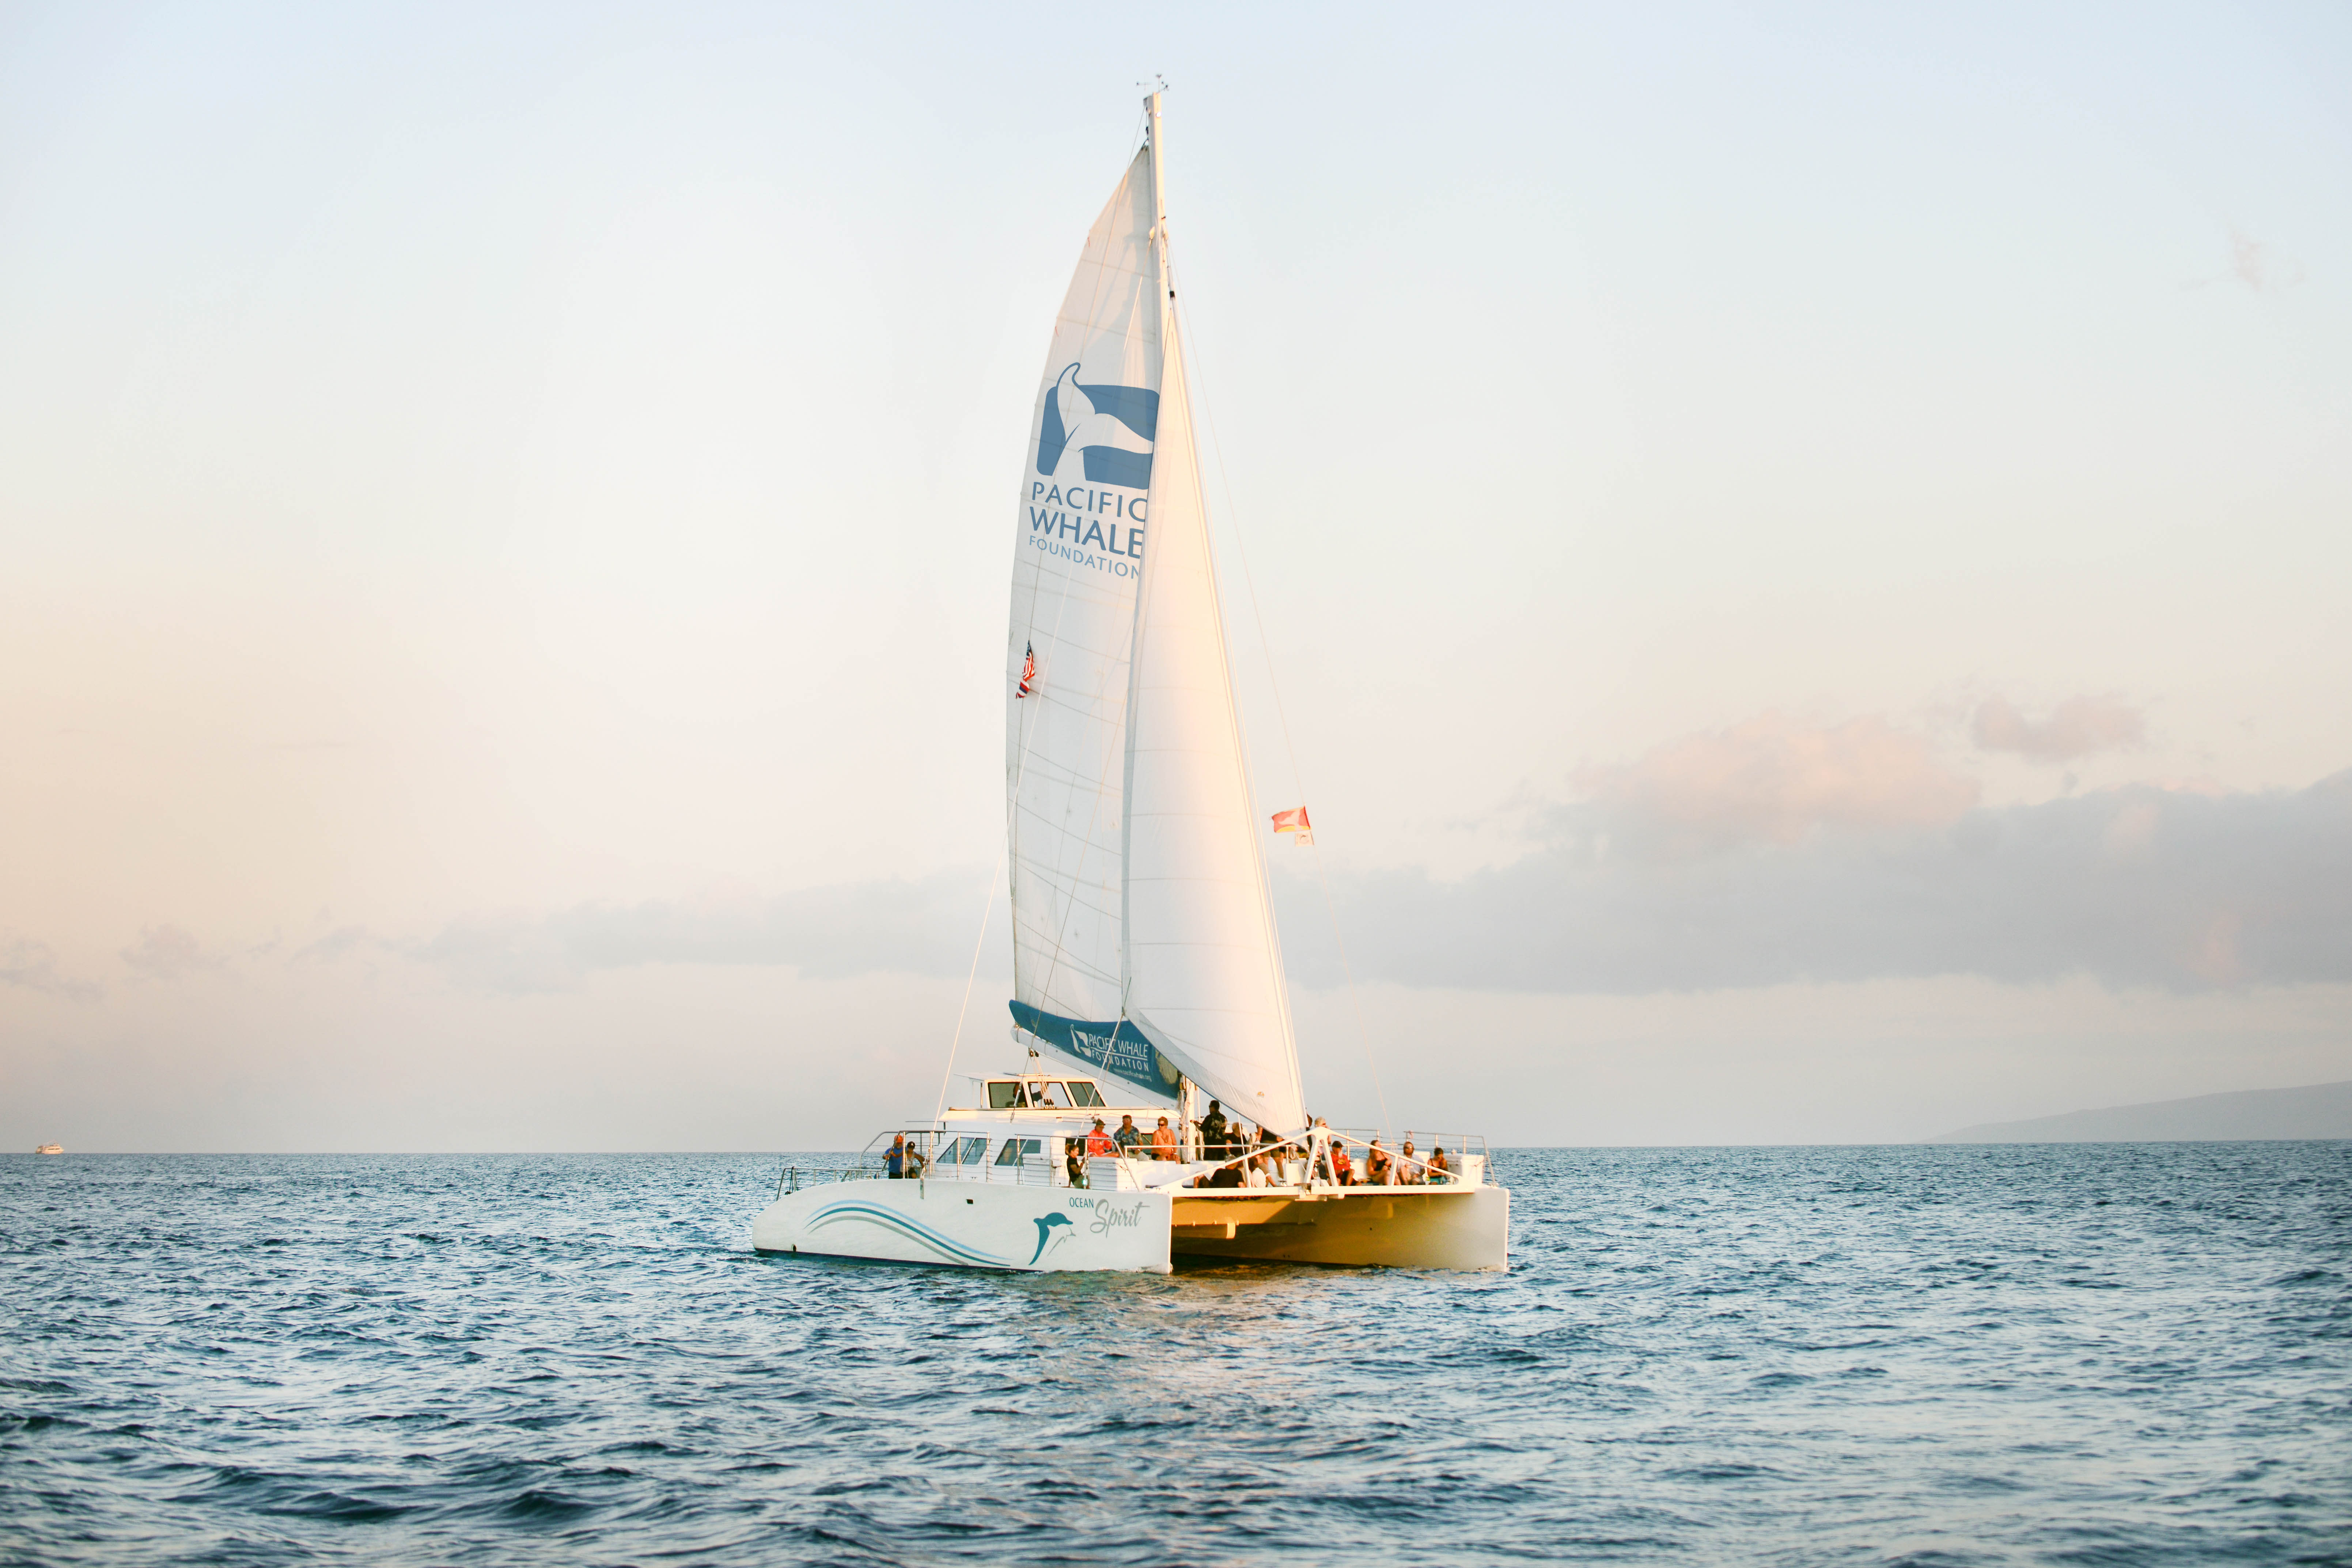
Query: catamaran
[1144, 947]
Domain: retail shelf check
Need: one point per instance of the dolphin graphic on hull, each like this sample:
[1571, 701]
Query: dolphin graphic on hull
[1045, 1231]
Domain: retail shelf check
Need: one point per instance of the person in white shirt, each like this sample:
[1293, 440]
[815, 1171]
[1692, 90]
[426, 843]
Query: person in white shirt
[1257, 1177]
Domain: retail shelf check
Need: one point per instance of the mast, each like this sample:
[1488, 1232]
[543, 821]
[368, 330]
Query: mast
[1156, 135]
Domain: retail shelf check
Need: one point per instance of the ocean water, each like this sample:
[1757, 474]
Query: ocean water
[2063, 1354]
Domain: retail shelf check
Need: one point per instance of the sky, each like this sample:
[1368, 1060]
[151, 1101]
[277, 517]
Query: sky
[1796, 554]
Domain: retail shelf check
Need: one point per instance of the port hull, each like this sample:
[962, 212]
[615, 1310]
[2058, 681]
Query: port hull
[971, 1225]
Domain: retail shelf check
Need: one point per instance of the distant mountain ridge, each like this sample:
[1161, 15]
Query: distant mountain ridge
[2318, 1110]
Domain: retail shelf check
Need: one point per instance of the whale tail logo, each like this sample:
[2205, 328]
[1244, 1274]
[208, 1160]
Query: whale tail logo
[1113, 429]
[1045, 1231]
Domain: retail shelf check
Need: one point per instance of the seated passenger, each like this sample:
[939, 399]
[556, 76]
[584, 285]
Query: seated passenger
[1256, 1176]
[1409, 1171]
[1343, 1170]
[1378, 1172]
[1439, 1171]
[1099, 1142]
[1164, 1140]
[1129, 1137]
[1226, 1176]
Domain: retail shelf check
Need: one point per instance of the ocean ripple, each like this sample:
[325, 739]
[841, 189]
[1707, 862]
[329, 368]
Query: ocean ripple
[1942, 1355]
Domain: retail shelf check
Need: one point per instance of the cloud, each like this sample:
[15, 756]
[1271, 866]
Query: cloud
[2134, 887]
[922, 927]
[1764, 854]
[34, 966]
[167, 952]
[2076, 728]
[1774, 779]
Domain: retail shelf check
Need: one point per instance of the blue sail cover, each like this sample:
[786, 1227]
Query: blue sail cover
[1116, 1047]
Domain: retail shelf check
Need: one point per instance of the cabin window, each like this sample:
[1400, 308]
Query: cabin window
[1016, 1147]
[962, 1150]
[1004, 1096]
[1084, 1094]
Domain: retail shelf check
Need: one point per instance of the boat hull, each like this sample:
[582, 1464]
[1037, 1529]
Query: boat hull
[972, 1225]
[1045, 1229]
[1463, 1227]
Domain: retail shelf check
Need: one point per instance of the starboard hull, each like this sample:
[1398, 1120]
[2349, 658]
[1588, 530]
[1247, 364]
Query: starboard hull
[1467, 1227]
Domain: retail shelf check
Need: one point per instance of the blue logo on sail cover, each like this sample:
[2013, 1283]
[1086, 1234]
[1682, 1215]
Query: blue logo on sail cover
[1117, 1046]
[1113, 429]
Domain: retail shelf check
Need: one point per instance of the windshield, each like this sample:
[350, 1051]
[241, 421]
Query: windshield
[1085, 1094]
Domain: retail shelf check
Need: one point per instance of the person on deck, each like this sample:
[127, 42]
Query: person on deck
[1343, 1170]
[894, 1163]
[1129, 1137]
[1257, 1176]
[1439, 1171]
[1377, 1171]
[1074, 1162]
[1099, 1142]
[1213, 1133]
[1409, 1172]
[1164, 1140]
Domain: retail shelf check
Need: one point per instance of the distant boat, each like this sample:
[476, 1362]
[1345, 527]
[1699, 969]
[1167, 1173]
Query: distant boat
[50, 1148]
[1143, 934]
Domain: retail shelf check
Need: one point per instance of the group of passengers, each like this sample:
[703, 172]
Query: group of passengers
[1245, 1163]
[1242, 1160]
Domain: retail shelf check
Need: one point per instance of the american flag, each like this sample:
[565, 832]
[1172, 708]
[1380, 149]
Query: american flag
[1028, 669]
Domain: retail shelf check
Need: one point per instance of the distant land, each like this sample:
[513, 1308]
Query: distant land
[2321, 1111]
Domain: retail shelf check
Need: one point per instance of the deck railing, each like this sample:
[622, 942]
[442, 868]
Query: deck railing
[1305, 1160]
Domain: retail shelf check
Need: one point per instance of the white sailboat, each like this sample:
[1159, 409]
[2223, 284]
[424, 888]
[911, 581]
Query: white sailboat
[1143, 936]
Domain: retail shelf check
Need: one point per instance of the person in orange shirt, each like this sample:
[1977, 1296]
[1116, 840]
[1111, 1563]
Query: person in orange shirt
[1099, 1142]
[1164, 1140]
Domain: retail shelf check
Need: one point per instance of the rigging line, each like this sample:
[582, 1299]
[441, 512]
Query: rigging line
[971, 976]
[1281, 713]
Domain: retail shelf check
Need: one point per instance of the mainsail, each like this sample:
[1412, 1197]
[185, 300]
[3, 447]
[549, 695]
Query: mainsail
[1144, 942]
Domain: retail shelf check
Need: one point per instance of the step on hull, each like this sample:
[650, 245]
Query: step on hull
[1380, 1226]
[971, 1225]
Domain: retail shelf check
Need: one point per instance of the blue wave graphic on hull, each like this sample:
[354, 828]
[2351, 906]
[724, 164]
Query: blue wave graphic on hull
[914, 1230]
